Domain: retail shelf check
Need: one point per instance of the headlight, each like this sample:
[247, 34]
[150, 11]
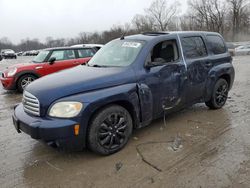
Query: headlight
[65, 109]
[11, 72]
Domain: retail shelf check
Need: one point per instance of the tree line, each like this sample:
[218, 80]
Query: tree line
[231, 18]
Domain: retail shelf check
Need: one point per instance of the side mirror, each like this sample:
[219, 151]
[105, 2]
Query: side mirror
[52, 60]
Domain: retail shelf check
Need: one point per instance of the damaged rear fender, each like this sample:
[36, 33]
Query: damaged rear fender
[225, 71]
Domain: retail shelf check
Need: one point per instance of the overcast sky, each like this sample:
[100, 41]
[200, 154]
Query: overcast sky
[20, 19]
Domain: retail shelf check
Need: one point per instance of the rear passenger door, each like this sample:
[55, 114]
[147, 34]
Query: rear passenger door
[198, 66]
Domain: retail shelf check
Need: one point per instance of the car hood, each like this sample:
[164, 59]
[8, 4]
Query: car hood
[78, 80]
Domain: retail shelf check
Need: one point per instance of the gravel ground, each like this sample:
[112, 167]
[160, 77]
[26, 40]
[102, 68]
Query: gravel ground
[197, 147]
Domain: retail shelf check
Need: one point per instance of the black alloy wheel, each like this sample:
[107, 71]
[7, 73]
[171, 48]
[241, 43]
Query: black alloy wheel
[219, 94]
[111, 133]
[110, 130]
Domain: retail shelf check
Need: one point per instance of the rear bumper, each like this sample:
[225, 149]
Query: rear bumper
[58, 131]
[8, 83]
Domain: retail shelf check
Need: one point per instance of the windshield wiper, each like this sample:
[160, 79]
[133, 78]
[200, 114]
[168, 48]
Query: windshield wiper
[96, 65]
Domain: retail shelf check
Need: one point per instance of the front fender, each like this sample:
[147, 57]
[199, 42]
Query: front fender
[97, 99]
[222, 70]
[21, 73]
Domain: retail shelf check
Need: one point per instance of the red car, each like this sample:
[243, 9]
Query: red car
[46, 62]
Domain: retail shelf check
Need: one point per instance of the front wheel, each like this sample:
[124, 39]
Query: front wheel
[219, 94]
[110, 130]
[23, 81]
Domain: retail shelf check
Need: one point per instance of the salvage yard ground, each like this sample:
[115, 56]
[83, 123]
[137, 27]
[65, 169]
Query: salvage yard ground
[197, 147]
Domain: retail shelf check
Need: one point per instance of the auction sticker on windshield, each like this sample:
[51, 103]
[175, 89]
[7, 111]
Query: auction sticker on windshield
[131, 44]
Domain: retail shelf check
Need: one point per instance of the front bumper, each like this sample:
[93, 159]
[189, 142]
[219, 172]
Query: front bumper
[8, 83]
[58, 131]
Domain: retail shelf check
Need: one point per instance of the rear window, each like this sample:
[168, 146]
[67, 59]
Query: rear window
[217, 44]
[85, 53]
[194, 47]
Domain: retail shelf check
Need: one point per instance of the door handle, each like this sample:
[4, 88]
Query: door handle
[76, 63]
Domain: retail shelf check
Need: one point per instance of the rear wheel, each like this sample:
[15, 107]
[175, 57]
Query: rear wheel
[24, 80]
[219, 94]
[110, 130]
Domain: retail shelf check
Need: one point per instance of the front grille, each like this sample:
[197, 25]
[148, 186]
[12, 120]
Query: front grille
[31, 104]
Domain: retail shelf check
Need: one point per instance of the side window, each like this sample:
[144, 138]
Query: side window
[165, 52]
[217, 44]
[193, 47]
[63, 54]
[85, 53]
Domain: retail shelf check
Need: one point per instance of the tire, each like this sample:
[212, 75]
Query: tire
[109, 130]
[24, 80]
[219, 94]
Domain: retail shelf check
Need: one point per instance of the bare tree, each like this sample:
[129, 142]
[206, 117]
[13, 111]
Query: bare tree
[239, 15]
[161, 13]
[208, 15]
[143, 23]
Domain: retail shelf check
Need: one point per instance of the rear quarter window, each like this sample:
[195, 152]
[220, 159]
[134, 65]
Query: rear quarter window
[217, 44]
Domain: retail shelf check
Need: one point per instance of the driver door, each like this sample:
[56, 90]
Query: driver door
[64, 59]
[166, 79]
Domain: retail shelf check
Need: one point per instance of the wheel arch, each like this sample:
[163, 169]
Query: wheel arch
[211, 82]
[20, 74]
[225, 71]
[227, 78]
[123, 103]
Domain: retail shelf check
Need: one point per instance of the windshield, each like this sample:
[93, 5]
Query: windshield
[41, 56]
[118, 53]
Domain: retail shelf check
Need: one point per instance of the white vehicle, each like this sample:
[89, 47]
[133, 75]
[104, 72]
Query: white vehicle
[243, 50]
[96, 46]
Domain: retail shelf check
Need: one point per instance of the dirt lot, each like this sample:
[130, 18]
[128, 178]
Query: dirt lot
[196, 148]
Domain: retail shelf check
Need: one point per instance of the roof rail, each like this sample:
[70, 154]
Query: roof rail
[152, 33]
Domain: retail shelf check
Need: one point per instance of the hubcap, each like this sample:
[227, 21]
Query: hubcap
[111, 133]
[26, 81]
[221, 94]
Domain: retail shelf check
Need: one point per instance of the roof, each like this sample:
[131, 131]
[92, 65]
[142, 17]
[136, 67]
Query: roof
[88, 45]
[152, 35]
[67, 48]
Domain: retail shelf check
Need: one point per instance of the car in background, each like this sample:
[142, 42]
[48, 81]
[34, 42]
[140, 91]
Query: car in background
[243, 50]
[19, 53]
[31, 53]
[46, 62]
[96, 46]
[8, 53]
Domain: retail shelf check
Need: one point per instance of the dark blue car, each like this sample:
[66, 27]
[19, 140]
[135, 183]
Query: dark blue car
[127, 84]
